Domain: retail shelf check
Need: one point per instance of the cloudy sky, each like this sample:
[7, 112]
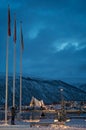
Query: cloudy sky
[54, 34]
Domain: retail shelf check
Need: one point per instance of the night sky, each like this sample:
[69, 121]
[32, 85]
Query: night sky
[54, 34]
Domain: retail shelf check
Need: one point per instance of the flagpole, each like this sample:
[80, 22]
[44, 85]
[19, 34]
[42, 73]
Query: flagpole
[20, 68]
[14, 69]
[20, 79]
[6, 98]
[14, 58]
[7, 46]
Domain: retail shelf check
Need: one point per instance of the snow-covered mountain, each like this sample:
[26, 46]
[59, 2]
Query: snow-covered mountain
[46, 90]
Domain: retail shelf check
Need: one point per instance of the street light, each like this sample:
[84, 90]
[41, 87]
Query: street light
[62, 99]
[62, 115]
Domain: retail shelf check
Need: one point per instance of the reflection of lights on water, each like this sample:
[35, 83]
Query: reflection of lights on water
[68, 120]
[34, 120]
[55, 120]
[37, 126]
[6, 124]
[63, 126]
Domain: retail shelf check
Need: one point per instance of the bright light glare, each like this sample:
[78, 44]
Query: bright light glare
[55, 120]
[68, 120]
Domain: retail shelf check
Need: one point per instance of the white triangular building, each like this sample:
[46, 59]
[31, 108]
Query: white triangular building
[36, 103]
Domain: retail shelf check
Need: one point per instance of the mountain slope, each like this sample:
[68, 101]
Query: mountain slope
[48, 90]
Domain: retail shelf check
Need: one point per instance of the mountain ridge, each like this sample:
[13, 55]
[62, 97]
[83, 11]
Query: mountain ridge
[42, 89]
